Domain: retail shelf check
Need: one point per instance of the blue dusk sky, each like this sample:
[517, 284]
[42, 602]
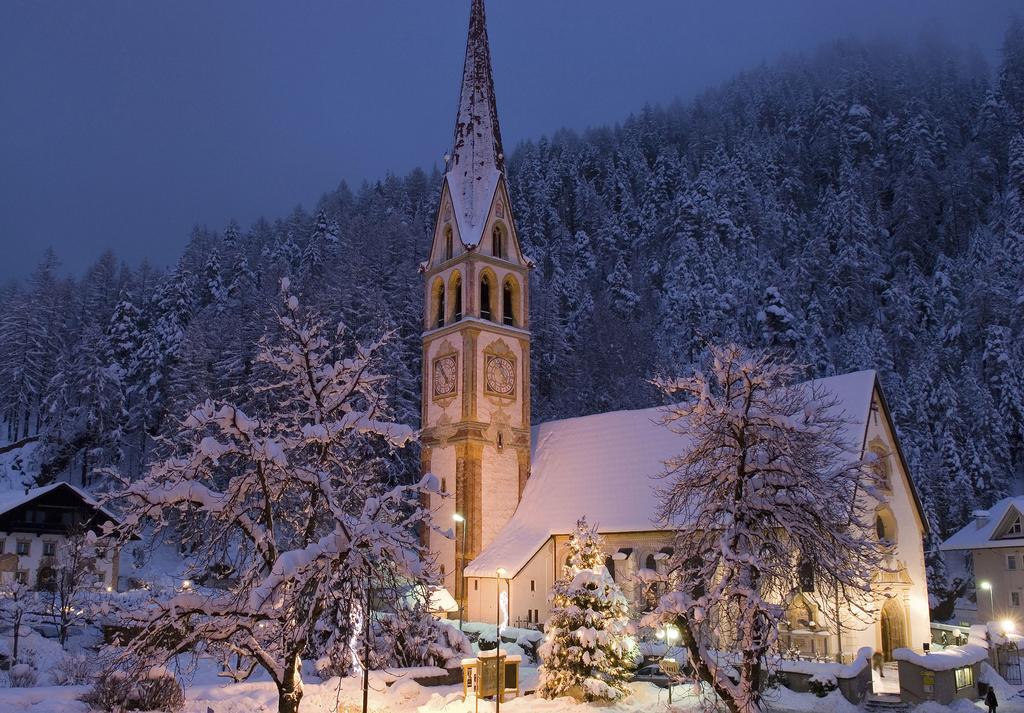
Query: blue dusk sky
[123, 123]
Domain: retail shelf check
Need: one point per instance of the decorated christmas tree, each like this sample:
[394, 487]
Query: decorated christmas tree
[589, 649]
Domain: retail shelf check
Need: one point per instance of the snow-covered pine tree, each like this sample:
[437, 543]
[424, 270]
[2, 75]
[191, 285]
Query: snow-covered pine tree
[589, 649]
[763, 456]
[305, 526]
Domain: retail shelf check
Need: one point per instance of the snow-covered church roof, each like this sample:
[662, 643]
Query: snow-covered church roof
[477, 160]
[606, 466]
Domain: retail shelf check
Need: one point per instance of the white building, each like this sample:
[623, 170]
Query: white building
[520, 490]
[35, 526]
[995, 541]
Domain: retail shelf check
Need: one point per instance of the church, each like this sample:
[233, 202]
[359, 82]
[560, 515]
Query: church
[514, 491]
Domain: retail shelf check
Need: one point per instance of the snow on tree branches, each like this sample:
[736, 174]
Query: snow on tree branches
[285, 502]
[589, 650]
[770, 502]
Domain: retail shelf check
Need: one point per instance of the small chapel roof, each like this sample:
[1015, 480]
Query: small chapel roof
[477, 160]
[605, 467]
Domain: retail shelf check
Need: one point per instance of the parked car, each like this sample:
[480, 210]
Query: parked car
[653, 673]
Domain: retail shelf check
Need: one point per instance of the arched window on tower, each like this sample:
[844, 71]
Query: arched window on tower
[508, 306]
[457, 298]
[486, 288]
[449, 245]
[439, 315]
[435, 315]
[498, 243]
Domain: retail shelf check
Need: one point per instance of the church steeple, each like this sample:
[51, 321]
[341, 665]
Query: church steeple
[477, 157]
[477, 142]
[476, 338]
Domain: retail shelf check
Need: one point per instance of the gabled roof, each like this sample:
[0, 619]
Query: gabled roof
[477, 160]
[606, 466]
[981, 533]
[16, 498]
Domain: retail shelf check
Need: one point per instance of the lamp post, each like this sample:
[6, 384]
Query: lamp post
[987, 586]
[499, 669]
[458, 518]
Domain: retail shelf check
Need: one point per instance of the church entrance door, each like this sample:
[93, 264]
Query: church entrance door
[894, 628]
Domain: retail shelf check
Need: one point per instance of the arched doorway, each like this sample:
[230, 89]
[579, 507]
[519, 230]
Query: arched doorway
[894, 628]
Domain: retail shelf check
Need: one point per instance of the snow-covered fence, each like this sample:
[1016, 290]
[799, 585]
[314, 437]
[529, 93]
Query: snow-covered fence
[853, 679]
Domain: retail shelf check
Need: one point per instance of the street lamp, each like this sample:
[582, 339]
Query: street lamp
[500, 670]
[462, 570]
[987, 586]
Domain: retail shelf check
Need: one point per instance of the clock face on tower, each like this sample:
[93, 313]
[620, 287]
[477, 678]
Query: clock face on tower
[445, 375]
[501, 376]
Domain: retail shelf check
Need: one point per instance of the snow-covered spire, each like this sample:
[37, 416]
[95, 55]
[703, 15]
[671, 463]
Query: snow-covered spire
[477, 159]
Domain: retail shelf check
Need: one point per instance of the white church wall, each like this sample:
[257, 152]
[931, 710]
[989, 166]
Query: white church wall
[442, 463]
[909, 545]
[500, 493]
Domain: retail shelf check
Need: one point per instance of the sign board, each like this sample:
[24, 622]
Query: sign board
[488, 683]
[9, 563]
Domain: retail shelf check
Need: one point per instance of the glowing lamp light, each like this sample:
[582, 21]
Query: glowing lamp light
[458, 518]
[985, 585]
[110, 589]
[1007, 626]
[502, 572]
[187, 584]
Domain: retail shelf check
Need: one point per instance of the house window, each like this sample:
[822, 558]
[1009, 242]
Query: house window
[21, 576]
[533, 585]
[536, 615]
[476, 585]
[448, 242]
[49, 549]
[3, 544]
[444, 485]
[1015, 528]
[1014, 599]
[964, 677]
[24, 548]
[529, 616]
[442, 571]
[1011, 562]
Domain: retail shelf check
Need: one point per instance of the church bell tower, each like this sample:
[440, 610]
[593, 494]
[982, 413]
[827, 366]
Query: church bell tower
[476, 339]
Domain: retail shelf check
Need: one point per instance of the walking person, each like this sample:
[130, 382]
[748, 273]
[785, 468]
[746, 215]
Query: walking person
[990, 700]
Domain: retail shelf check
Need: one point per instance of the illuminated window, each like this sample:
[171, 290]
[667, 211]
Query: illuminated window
[964, 677]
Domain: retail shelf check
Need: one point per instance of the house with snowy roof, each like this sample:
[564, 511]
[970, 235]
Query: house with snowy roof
[515, 491]
[37, 523]
[994, 539]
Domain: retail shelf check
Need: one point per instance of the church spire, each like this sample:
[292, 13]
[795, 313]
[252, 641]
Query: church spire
[476, 162]
[477, 145]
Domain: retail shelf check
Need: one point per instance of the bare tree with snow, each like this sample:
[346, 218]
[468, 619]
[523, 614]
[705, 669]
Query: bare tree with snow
[288, 502]
[769, 501]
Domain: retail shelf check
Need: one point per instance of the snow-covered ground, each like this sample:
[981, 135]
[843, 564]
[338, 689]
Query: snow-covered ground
[403, 697]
